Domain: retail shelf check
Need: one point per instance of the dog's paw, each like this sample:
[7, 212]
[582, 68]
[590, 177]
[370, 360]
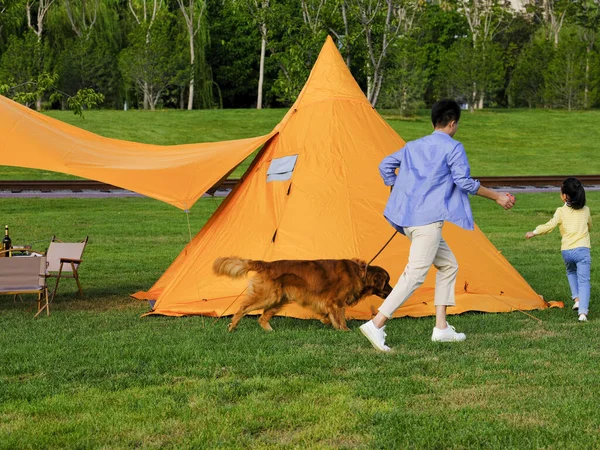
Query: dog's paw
[230, 327]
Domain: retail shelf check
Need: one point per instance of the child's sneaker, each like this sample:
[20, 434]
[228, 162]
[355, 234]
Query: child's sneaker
[582, 318]
[576, 305]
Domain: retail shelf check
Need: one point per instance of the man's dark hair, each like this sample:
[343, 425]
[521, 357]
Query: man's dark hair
[444, 111]
[574, 191]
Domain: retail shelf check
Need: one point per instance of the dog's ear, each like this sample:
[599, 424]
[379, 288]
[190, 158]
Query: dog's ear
[362, 264]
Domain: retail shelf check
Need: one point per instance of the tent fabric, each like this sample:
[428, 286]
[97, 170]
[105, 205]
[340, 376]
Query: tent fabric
[177, 174]
[330, 207]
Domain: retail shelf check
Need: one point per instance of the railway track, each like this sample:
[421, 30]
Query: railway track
[17, 186]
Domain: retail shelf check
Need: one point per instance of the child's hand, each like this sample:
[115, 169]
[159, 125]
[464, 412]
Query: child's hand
[529, 234]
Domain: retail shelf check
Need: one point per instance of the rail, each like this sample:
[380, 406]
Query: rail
[17, 186]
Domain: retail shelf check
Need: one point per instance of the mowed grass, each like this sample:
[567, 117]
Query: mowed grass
[498, 142]
[96, 375]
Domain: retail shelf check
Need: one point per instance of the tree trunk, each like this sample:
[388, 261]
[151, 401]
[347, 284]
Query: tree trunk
[192, 72]
[146, 96]
[587, 78]
[347, 33]
[261, 73]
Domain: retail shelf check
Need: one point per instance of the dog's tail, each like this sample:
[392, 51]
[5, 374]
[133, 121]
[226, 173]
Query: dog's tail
[235, 267]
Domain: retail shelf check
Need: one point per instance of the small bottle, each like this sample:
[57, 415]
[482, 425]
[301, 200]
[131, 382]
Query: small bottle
[6, 242]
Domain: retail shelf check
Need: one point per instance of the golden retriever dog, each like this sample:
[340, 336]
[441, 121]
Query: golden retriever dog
[326, 286]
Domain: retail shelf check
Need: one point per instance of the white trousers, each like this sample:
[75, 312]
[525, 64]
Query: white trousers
[427, 247]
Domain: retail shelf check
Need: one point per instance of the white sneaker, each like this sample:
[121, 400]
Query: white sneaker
[448, 334]
[375, 335]
[576, 305]
[582, 318]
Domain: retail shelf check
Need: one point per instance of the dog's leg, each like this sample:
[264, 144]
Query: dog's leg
[244, 309]
[325, 320]
[342, 319]
[255, 302]
[267, 315]
[338, 320]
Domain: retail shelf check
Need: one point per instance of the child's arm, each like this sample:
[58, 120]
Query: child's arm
[547, 227]
[590, 222]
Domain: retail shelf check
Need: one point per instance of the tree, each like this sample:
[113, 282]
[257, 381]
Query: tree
[485, 19]
[526, 85]
[36, 24]
[82, 16]
[587, 16]
[193, 14]
[382, 21]
[407, 77]
[565, 77]
[552, 13]
[152, 62]
[259, 10]
[144, 13]
[11, 19]
[464, 67]
[45, 86]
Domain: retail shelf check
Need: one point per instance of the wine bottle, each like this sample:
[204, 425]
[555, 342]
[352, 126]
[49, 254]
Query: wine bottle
[6, 242]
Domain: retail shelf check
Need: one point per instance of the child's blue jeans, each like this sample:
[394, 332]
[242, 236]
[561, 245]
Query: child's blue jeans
[578, 262]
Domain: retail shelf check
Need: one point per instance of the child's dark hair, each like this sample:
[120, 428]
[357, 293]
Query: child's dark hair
[574, 191]
[444, 111]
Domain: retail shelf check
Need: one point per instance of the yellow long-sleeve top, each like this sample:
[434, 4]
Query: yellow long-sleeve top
[574, 226]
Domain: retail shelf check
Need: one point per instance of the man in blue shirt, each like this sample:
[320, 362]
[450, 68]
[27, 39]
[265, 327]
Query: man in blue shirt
[432, 186]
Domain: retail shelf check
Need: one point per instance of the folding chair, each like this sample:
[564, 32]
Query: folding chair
[25, 276]
[64, 259]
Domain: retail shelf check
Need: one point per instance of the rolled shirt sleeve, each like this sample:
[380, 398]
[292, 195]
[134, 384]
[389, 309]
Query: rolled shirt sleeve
[461, 171]
[388, 167]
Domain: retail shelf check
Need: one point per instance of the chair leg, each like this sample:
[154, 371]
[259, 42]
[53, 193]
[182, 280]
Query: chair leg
[76, 276]
[46, 303]
[56, 285]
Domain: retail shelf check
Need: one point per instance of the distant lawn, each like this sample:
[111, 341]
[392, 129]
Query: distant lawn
[96, 375]
[498, 142]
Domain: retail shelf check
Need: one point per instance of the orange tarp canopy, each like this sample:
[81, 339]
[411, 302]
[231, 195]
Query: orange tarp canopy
[328, 205]
[177, 174]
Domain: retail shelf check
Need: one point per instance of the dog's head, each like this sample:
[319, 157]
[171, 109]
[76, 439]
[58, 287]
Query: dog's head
[378, 279]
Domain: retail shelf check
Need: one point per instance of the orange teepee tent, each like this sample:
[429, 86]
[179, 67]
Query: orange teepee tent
[314, 191]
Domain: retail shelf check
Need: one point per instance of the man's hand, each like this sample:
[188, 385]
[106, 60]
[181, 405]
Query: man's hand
[529, 235]
[506, 200]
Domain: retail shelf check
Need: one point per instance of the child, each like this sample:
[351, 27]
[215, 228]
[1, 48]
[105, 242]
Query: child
[575, 223]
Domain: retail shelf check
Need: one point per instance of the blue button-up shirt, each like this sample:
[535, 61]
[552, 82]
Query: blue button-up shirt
[432, 185]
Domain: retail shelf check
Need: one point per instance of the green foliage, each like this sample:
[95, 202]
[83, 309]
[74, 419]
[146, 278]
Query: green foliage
[24, 60]
[151, 63]
[468, 72]
[407, 77]
[236, 59]
[527, 83]
[85, 98]
[565, 77]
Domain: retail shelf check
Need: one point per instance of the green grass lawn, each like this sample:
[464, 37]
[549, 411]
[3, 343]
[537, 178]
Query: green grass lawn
[498, 142]
[96, 375]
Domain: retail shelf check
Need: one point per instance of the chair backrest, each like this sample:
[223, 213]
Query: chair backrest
[58, 250]
[22, 273]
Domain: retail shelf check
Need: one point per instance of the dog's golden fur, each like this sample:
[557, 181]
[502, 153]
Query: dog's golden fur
[326, 286]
